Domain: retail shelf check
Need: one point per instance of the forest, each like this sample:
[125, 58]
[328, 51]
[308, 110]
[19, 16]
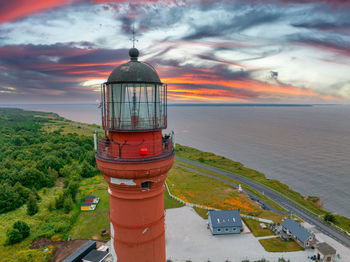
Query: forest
[32, 158]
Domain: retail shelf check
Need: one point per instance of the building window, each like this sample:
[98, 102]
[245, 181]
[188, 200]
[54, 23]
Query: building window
[219, 230]
[145, 185]
[226, 229]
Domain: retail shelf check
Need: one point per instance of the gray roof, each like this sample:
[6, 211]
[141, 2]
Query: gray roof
[95, 255]
[325, 249]
[90, 197]
[81, 252]
[225, 218]
[296, 229]
[134, 71]
[86, 204]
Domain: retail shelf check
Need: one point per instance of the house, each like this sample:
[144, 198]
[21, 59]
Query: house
[87, 206]
[96, 256]
[325, 253]
[81, 252]
[92, 199]
[225, 222]
[294, 230]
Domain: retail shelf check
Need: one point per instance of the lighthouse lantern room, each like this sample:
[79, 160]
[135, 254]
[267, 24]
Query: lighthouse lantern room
[134, 157]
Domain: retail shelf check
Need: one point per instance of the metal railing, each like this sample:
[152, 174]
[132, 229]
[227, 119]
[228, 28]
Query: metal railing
[133, 151]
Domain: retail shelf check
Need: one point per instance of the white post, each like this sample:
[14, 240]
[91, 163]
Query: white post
[173, 138]
[95, 141]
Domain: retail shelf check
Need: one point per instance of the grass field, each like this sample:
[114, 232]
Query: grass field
[238, 168]
[255, 228]
[199, 189]
[266, 199]
[277, 245]
[90, 223]
[51, 224]
[170, 202]
[72, 127]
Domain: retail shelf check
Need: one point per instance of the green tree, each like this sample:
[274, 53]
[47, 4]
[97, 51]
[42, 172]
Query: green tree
[32, 206]
[35, 193]
[22, 227]
[87, 169]
[59, 200]
[17, 233]
[68, 205]
[13, 236]
[52, 175]
[9, 199]
[30, 176]
[73, 190]
[329, 218]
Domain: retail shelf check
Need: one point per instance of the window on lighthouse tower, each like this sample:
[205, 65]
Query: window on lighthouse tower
[135, 106]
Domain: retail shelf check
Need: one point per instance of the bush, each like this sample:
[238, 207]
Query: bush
[73, 190]
[32, 206]
[22, 227]
[13, 237]
[51, 205]
[20, 230]
[35, 193]
[329, 218]
[59, 201]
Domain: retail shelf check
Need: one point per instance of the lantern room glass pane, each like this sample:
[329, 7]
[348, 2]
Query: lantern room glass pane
[134, 106]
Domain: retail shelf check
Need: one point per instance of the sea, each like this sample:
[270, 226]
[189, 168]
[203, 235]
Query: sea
[306, 147]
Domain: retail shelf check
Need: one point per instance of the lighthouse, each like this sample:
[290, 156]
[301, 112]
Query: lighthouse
[135, 157]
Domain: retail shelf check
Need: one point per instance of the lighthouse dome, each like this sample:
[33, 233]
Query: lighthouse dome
[134, 71]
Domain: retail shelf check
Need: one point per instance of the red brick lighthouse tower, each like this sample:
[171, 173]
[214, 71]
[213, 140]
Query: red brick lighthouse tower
[135, 157]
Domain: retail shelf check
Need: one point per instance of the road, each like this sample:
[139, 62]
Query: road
[279, 199]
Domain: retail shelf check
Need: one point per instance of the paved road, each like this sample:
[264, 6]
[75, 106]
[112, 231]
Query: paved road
[284, 202]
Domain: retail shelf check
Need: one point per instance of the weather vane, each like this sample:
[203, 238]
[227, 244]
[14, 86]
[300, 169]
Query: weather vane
[133, 39]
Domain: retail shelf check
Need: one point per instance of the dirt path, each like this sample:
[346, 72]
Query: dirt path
[63, 248]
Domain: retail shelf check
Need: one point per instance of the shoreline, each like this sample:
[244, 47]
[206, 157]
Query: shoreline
[96, 126]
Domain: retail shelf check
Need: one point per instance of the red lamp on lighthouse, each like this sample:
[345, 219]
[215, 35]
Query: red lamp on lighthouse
[135, 157]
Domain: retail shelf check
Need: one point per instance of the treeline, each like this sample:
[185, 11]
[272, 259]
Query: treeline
[32, 158]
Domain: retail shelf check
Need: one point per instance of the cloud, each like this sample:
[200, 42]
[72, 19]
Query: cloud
[16, 9]
[207, 50]
[333, 44]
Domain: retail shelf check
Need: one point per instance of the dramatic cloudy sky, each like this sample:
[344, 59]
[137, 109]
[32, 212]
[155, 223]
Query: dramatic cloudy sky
[286, 51]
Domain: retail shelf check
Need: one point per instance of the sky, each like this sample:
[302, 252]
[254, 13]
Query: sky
[207, 51]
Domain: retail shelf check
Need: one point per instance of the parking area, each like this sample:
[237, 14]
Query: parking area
[187, 238]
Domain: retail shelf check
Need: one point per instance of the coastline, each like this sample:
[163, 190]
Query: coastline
[319, 211]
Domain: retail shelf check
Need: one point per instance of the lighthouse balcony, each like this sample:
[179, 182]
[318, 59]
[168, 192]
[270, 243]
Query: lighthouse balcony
[134, 152]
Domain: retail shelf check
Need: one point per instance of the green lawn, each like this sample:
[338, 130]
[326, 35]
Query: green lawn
[170, 202]
[255, 228]
[278, 245]
[90, 223]
[201, 212]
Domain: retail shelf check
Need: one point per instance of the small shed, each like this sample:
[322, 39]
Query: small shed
[225, 222]
[92, 199]
[95, 256]
[325, 252]
[87, 206]
[296, 231]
